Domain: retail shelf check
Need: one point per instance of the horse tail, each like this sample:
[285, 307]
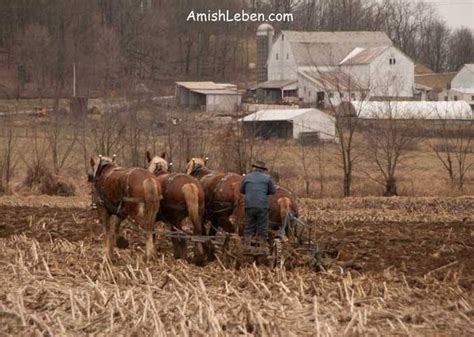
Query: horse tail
[238, 212]
[284, 204]
[191, 195]
[152, 200]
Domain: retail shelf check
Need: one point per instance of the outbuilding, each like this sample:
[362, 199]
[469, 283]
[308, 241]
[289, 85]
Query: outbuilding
[208, 96]
[428, 110]
[290, 123]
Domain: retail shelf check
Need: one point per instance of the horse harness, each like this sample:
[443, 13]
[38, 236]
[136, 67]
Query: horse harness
[124, 198]
[220, 206]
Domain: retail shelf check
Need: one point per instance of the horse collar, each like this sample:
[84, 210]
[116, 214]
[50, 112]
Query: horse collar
[100, 168]
[196, 169]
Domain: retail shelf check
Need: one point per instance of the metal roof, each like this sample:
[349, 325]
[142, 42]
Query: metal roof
[332, 80]
[464, 90]
[218, 92]
[413, 110]
[363, 55]
[206, 85]
[275, 115]
[329, 48]
[470, 67]
[278, 84]
[437, 81]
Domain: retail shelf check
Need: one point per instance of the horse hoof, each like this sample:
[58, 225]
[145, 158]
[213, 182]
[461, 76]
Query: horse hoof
[122, 243]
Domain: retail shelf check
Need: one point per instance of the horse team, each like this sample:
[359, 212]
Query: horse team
[145, 196]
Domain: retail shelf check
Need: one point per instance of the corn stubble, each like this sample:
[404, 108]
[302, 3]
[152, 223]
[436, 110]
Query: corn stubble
[415, 277]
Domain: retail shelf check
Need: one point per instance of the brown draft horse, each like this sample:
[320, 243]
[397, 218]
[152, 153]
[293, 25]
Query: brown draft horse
[183, 196]
[280, 206]
[219, 191]
[128, 193]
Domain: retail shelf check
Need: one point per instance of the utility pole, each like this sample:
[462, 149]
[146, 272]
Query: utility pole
[74, 79]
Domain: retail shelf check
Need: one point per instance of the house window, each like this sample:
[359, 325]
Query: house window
[277, 56]
[287, 56]
[445, 98]
[455, 97]
[341, 95]
[472, 98]
[282, 36]
[392, 60]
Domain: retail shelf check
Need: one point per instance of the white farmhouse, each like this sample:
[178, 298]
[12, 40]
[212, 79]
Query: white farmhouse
[462, 86]
[315, 59]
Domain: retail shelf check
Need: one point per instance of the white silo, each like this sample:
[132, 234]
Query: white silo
[265, 34]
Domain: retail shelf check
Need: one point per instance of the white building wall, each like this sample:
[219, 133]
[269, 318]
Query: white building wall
[308, 91]
[463, 79]
[392, 79]
[453, 95]
[315, 121]
[222, 103]
[283, 66]
[359, 72]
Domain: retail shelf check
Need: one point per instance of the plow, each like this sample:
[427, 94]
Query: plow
[300, 247]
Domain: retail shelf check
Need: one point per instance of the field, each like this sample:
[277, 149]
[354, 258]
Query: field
[412, 274]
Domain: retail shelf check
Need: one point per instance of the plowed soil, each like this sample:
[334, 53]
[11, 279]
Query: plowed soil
[412, 272]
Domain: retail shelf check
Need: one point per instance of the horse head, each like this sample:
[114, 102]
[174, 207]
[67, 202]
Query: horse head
[99, 164]
[157, 164]
[194, 165]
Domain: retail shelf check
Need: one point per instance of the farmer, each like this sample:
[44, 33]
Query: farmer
[256, 187]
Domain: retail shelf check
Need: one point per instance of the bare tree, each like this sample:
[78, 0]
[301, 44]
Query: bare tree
[107, 132]
[460, 48]
[62, 139]
[339, 88]
[453, 146]
[8, 159]
[389, 136]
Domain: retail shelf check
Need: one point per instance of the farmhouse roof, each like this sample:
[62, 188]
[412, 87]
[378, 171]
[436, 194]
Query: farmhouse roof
[470, 67]
[363, 55]
[412, 110]
[329, 48]
[437, 81]
[467, 91]
[275, 115]
[421, 69]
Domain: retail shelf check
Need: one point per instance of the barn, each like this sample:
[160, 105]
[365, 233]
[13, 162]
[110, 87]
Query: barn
[290, 123]
[208, 96]
[316, 59]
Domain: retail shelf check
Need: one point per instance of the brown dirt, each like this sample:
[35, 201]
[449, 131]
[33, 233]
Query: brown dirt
[415, 275]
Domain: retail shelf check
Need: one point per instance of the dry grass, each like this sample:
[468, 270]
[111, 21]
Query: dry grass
[416, 278]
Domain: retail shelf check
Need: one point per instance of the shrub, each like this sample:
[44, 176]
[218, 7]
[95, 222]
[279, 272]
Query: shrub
[40, 179]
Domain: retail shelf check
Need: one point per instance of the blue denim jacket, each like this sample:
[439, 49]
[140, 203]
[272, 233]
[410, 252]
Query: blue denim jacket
[256, 186]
